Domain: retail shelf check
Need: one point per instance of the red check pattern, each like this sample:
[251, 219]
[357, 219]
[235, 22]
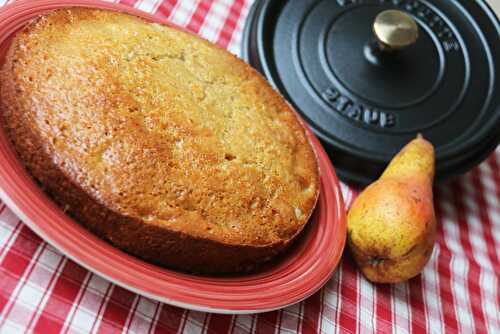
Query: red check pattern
[44, 292]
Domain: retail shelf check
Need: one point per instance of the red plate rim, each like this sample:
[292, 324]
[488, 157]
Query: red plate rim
[304, 270]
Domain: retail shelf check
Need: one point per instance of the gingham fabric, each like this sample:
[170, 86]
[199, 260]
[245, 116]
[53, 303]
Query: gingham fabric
[42, 291]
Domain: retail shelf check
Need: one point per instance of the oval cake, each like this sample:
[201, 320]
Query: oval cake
[165, 145]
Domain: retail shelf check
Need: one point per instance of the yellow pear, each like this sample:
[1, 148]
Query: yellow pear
[392, 224]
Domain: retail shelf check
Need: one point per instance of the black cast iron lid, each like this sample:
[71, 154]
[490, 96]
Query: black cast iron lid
[366, 102]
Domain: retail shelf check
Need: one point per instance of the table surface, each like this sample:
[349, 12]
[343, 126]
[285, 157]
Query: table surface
[495, 4]
[43, 291]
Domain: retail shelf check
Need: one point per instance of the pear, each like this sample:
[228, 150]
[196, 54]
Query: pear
[392, 224]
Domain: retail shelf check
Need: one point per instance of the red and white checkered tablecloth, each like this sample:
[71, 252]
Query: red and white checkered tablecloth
[42, 291]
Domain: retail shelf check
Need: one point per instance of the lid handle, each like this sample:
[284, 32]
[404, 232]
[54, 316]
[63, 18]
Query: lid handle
[395, 30]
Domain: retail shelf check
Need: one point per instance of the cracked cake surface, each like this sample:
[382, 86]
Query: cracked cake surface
[167, 146]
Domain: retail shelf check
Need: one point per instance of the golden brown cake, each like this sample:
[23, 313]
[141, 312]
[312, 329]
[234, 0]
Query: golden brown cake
[169, 147]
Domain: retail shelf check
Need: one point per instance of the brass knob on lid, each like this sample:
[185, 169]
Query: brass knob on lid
[395, 30]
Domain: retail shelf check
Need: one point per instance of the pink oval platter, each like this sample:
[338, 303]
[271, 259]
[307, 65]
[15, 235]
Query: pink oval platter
[301, 272]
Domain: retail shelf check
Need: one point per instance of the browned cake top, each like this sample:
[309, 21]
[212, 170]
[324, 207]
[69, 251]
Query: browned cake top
[160, 125]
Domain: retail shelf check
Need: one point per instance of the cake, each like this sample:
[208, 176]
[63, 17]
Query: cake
[165, 145]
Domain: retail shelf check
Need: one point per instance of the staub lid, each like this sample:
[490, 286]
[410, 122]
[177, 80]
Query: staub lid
[369, 75]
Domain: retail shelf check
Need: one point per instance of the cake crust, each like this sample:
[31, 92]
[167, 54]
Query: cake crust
[169, 147]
